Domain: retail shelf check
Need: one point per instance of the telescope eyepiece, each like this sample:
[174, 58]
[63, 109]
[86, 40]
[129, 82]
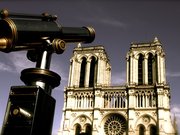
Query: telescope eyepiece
[4, 13]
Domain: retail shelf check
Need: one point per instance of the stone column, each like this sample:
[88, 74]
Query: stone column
[135, 73]
[145, 70]
[70, 74]
[87, 73]
[127, 69]
[158, 69]
[131, 70]
[163, 71]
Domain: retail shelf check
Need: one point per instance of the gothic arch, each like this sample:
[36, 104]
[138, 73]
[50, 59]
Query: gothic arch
[141, 129]
[82, 120]
[78, 58]
[149, 116]
[145, 120]
[152, 129]
[90, 57]
[149, 52]
[88, 129]
[138, 54]
[77, 129]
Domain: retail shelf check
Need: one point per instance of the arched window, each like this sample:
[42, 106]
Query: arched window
[150, 69]
[140, 69]
[82, 72]
[141, 130]
[88, 129]
[77, 129]
[153, 130]
[92, 72]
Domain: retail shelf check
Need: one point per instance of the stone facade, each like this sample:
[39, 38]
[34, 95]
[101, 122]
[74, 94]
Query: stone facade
[140, 107]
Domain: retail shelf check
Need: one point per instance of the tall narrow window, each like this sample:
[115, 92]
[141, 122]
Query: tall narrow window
[140, 69]
[88, 129]
[77, 129]
[150, 69]
[153, 130]
[141, 130]
[82, 72]
[92, 72]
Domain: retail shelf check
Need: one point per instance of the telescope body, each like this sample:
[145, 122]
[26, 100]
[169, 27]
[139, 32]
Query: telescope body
[24, 33]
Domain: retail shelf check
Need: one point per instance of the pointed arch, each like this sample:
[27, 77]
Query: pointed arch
[153, 130]
[82, 72]
[77, 129]
[141, 130]
[81, 57]
[88, 129]
[92, 71]
[140, 69]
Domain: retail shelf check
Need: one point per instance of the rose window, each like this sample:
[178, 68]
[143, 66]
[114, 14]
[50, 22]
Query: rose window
[115, 125]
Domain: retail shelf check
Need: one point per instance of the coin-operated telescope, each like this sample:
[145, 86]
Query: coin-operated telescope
[30, 108]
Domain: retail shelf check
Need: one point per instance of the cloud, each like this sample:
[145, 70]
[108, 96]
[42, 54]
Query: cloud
[101, 17]
[58, 68]
[175, 112]
[15, 62]
[173, 74]
[112, 22]
[5, 67]
[175, 109]
[19, 61]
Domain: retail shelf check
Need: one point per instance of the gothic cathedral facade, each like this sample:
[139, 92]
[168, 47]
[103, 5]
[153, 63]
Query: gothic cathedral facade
[140, 107]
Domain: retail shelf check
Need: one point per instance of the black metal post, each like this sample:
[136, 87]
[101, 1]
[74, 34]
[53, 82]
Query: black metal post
[30, 108]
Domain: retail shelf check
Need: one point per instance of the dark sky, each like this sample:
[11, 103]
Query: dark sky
[117, 23]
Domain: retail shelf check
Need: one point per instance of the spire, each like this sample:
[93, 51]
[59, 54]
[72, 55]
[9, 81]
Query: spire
[79, 45]
[156, 40]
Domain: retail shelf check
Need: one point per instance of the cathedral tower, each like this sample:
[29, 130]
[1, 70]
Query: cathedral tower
[149, 93]
[140, 107]
[89, 72]
[89, 67]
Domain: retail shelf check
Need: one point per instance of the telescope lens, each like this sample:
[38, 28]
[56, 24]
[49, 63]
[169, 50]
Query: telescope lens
[15, 111]
[19, 112]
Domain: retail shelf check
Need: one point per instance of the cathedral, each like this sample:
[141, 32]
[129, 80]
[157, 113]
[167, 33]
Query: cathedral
[140, 107]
